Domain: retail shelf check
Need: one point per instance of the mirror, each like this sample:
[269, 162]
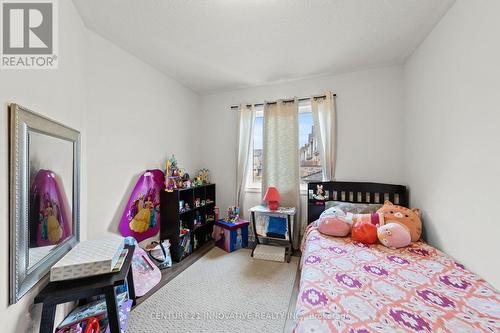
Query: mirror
[44, 195]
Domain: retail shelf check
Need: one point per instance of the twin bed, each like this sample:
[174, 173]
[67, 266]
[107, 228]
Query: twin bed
[351, 287]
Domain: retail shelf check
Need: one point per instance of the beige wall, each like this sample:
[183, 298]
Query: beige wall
[452, 84]
[131, 118]
[136, 118]
[370, 111]
[57, 94]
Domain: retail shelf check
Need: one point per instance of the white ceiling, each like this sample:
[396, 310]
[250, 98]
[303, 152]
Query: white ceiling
[217, 45]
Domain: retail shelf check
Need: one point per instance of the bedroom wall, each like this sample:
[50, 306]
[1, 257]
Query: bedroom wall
[369, 105]
[451, 86]
[137, 117]
[99, 90]
[57, 94]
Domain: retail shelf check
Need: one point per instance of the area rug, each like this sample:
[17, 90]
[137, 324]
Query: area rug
[221, 292]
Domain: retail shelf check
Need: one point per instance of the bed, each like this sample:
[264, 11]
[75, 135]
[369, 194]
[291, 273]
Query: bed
[352, 287]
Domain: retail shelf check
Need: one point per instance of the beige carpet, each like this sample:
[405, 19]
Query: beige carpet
[221, 292]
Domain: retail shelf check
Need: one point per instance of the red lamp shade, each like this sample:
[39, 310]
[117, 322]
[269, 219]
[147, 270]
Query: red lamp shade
[272, 197]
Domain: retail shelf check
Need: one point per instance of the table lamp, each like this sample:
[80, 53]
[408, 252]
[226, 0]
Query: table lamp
[272, 197]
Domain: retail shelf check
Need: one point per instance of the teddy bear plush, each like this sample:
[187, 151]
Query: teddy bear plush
[410, 218]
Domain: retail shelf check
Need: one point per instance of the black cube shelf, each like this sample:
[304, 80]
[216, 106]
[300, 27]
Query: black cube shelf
[199, 220]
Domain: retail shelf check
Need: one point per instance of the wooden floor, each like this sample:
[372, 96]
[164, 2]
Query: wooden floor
[177, 268]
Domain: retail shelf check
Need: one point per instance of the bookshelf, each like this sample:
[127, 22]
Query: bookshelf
[187, 228]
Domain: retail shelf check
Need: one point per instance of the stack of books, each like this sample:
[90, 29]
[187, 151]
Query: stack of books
[89, 258]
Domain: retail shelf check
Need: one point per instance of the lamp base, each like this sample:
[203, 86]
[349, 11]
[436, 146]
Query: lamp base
[273, 205]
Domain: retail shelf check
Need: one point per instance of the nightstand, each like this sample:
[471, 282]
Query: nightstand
[287, 214]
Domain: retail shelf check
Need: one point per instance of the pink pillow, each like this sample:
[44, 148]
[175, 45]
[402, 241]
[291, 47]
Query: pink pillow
[334, 225]
[394, 235]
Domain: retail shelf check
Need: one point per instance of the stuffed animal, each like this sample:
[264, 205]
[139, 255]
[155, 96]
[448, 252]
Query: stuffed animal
[410, 218]
[334, 225]
[394, 235]
[364, 231]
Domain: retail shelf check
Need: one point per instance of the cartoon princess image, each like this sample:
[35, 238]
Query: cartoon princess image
[152, 212]
[141, 220]
[239, 240]
[49, 210]
[51, 228]
[143, 213]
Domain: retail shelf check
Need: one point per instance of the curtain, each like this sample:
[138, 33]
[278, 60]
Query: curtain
[323, 110]
[245, 134]
[281, 155]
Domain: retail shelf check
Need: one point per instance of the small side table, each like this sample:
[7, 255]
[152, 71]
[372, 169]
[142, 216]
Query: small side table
[59, 292]
[290, 214]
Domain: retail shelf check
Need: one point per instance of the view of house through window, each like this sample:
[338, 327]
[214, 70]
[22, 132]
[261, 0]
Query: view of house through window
[258, 138]
[310, 163]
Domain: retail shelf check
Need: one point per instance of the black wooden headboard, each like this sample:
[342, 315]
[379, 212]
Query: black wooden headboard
[356, 192]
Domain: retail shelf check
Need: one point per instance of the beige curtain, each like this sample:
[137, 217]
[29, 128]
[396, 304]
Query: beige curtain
[245, 139]
[323, 110]
[281, 155]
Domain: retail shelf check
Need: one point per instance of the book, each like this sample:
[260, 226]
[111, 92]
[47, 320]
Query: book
[121, 260]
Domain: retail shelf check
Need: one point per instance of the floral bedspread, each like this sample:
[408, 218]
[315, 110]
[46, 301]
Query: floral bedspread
[351, 287]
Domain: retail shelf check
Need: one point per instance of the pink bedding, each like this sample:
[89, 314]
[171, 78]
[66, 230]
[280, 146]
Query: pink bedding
[351, 287]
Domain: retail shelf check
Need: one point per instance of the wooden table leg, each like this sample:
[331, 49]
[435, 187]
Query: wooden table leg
[48, 316]
[112, 307]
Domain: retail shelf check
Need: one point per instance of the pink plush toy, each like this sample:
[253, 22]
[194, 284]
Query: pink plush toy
[394, 235]
[334, 225]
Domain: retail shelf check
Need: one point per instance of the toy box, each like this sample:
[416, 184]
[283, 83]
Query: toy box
[231, 236]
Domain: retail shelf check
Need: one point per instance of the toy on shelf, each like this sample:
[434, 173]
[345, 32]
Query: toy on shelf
[171, 174]
[204, 175]
[233, 214]
[321, 194]
[197, 220]
[197, 181]
[186, 181]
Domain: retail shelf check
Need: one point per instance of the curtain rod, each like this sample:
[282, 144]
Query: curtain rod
[233, 107]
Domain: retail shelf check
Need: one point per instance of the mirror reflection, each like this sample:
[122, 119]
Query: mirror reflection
[51, 180]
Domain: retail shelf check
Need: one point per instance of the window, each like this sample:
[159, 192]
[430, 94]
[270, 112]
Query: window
[310, 163]
[258, 138]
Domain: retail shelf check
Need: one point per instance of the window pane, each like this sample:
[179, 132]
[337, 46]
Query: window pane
[257, 147]
[310, 163]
